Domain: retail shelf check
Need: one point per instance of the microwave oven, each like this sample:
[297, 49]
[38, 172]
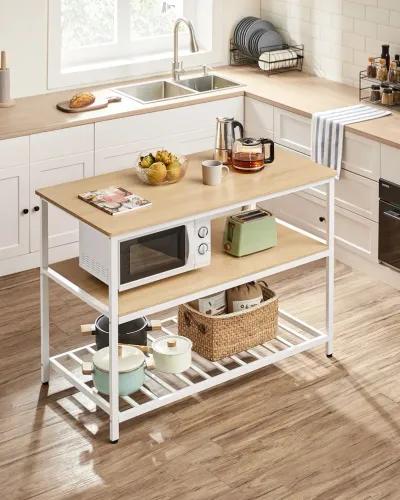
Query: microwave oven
[147, 256]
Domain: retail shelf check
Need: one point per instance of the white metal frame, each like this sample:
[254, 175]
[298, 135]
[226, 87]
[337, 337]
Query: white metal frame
[307, 337]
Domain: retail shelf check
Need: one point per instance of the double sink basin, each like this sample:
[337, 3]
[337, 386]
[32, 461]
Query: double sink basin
[162, 90]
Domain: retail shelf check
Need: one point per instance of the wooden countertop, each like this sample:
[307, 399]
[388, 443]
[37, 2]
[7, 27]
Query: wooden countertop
[188, 198]
[223, 269]
[298, 92]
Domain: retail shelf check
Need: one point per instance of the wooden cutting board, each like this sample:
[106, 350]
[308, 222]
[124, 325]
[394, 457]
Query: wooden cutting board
[100, 103]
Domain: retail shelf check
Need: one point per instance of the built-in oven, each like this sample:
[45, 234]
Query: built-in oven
[389, 224]
[147, 256]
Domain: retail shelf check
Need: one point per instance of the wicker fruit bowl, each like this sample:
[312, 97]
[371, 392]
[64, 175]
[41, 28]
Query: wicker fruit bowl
[161, 167]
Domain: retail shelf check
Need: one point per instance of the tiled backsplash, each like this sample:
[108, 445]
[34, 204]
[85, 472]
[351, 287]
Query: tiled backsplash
[338, 35]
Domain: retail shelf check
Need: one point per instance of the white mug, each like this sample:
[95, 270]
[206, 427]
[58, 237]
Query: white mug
[213, 172]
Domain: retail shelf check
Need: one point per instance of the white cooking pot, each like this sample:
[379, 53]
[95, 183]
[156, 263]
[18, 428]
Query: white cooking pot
[172, 353]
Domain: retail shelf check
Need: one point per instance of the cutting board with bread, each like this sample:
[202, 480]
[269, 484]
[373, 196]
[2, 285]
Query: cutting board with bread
[86, 101]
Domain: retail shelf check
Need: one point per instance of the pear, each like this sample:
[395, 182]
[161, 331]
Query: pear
[147, 160]
[156, 173]
[174, 171]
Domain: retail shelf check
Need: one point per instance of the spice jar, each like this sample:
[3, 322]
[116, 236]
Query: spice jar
[371, 68]
[386, 56]
[392, 75]
[387, 97]
[396, 95]
[382, 72]
[375, 93]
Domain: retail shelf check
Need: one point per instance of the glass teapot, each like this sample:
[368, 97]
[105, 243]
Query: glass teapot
[248, 154]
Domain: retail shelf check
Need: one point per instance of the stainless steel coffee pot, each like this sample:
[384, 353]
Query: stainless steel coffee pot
[225, 138]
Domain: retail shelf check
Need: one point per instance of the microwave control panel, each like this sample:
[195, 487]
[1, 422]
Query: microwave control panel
[202, 237]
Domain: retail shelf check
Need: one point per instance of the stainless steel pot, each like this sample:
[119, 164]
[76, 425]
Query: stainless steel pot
[132, 333]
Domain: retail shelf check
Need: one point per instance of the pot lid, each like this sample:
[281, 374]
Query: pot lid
[172, 344]
[129, 358]
[249, 141]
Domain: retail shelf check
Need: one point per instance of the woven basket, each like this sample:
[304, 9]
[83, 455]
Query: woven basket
[216, 337]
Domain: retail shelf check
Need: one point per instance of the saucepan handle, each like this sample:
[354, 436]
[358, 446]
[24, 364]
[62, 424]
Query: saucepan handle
[155, 324]
[88, 329]
[87, 368]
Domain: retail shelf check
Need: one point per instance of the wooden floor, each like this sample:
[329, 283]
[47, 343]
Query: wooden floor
[309, 428]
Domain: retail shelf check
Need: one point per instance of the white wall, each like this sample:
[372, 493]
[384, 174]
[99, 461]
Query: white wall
[23, 33]
[338, 35]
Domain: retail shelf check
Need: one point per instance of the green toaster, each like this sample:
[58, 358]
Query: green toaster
[250, 232]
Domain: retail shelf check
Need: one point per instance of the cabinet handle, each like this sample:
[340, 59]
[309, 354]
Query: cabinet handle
[36, 208]
[322, 219]
[25, 211]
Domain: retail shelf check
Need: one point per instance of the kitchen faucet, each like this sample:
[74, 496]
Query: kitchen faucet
[177, 66]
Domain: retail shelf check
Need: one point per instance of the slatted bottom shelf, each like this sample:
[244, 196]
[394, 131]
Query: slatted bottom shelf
[294, 336]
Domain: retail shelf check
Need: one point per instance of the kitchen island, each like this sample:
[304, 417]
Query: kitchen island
[288, 174]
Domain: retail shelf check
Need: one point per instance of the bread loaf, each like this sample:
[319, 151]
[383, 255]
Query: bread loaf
[82, 100]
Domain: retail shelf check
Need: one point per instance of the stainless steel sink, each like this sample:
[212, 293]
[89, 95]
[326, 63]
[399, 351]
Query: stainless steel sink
[208, 83]
[154, 91]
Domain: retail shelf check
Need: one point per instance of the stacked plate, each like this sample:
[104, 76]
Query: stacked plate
[253, 36]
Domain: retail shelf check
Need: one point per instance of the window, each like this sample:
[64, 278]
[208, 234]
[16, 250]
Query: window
[87, 36]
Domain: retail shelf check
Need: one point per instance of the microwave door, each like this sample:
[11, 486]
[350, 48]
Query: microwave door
[149, 256]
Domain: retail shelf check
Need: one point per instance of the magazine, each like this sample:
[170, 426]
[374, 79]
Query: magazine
[114, 200]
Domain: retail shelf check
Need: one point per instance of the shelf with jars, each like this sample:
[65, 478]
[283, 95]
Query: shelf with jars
[379, 83]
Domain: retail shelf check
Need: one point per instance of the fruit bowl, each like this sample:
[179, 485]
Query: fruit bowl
[161, 167]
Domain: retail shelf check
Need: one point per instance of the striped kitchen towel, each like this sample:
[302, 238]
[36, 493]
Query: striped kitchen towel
[328, 132]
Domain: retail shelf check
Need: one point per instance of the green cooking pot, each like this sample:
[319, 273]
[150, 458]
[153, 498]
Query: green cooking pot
[131, 365]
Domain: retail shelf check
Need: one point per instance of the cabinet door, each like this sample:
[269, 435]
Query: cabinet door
[188, 129]
[390, 166]
[292, 130]
[258, 118]
[352, 232]
[361, 156]
[354, 193]
[14, 200]
[63, 228]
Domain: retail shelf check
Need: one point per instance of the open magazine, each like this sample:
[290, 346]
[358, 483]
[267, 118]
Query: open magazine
[114, 200]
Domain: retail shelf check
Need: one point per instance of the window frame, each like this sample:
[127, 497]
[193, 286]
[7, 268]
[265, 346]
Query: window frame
[115, 60]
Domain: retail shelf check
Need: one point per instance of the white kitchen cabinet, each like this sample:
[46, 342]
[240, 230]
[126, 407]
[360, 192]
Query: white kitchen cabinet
[354, 193]
[14, 197]
[352, 232]
[63, 229]
[292, 131]
[361, 156]
[14, 211]
[390, 164]
[61, 143]
[14, 152]
[188, 129]
[259, 118]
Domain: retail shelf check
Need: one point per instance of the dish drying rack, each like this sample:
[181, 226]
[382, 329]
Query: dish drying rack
[240, 58]
[364, 92]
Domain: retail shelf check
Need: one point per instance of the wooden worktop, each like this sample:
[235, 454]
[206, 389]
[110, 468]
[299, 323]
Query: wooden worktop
[223, 269]
[188, 198]
[298, 92]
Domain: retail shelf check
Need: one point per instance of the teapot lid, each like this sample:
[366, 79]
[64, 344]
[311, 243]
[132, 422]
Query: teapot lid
[249, 141]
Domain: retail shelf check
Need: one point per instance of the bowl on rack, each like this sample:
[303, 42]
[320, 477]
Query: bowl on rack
[161, 167]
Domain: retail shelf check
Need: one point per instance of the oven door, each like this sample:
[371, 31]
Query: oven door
[155, 256]
[389, 234]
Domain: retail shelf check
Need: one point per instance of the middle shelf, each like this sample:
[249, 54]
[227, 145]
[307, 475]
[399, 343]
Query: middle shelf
[294, 249]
